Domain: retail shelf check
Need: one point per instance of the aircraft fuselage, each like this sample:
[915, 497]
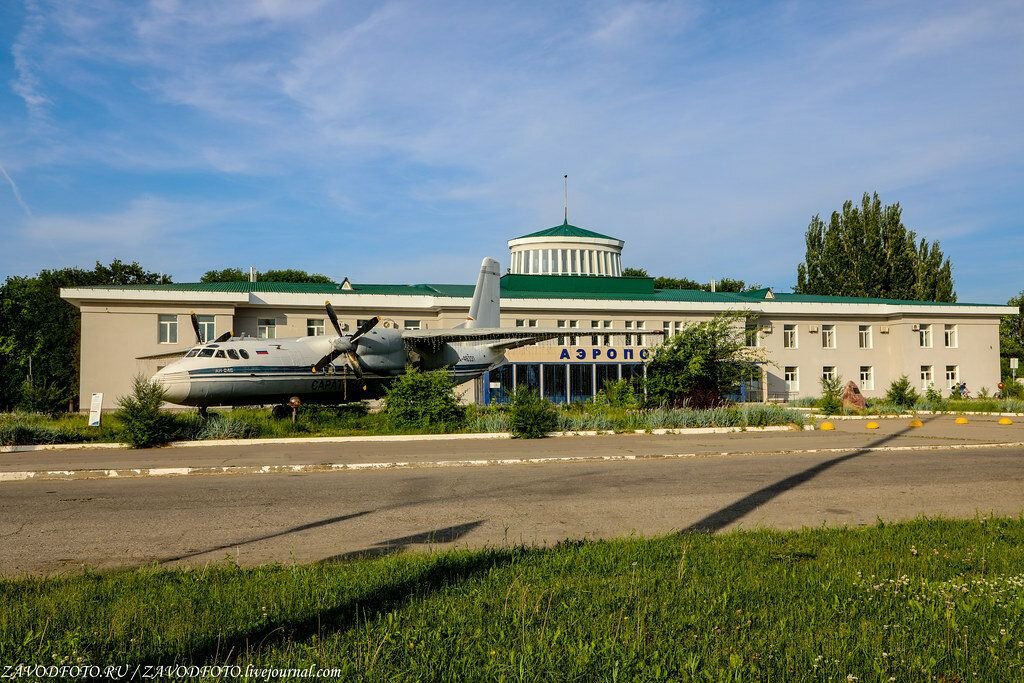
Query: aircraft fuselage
[251, 371]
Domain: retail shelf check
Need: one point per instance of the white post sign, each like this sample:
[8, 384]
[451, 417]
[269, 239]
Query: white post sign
[95, 409]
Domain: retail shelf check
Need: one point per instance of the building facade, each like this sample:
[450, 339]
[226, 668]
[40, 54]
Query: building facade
[565, 277]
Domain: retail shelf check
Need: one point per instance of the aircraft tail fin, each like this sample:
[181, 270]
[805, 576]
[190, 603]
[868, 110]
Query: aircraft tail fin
[485, 311]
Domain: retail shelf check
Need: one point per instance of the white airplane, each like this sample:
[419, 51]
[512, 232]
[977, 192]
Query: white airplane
[249, 371]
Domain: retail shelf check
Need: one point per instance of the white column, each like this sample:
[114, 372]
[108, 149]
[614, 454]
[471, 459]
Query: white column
[558, 261]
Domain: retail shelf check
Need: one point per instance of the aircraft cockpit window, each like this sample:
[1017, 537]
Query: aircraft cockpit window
[243, 353]
[206, 353]
[232, 354]
[192, 353]
[220, 354]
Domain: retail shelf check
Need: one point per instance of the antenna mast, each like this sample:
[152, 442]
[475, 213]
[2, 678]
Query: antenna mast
[565, 197]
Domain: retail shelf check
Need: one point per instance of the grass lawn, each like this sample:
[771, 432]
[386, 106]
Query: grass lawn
[926, 600]
[248, 423]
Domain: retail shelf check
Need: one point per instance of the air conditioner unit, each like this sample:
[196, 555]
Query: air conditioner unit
[915, 328]
[884, 329]
[812, 328]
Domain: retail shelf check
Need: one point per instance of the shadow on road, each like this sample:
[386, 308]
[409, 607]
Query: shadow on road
[394, 545]
[733, 512]
[295, 529]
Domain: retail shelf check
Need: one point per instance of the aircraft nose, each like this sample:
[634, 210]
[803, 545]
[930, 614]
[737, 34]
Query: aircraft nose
[176, 385]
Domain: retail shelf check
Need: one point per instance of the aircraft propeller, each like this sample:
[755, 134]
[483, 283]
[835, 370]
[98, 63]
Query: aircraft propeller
[195, 326]
[345, 345]
[199, 331]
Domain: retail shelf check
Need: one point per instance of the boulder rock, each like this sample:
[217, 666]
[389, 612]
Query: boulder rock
[852, 398]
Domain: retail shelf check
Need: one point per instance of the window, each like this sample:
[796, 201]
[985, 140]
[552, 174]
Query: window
[671, 328]
[792, 377]
[828, 336]
[951, 340]
[243, 353]
[315, 327]
[193, 352]
[521, 322]
[569, 324]
[266, 328]
[220, 354]
[927, 377]
[412, 324]
[232, 354]
[168, 329]
[207, 327]
[206, 353]
[751, 336]
[867, 377]
[864, 336]
[924, 336]
[789, 336]
[604, 339]
[952, 375]
[828, 372]
[634, 325]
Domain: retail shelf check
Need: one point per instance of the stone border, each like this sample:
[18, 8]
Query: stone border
[392, 437]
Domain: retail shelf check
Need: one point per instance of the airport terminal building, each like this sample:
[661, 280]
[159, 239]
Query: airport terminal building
[563, 277]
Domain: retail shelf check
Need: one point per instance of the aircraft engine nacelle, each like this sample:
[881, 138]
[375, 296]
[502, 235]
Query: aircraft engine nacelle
[381, 351]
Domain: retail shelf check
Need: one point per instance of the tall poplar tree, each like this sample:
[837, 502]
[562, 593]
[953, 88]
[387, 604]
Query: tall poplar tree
[866, 251]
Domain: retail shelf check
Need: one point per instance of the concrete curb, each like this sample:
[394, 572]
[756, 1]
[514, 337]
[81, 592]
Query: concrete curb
[908, 416]
[390, 437]
[78, 475]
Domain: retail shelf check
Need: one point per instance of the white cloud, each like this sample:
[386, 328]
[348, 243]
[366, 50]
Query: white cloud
[27, 85]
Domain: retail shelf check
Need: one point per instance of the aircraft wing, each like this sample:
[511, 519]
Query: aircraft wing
[504, 337]
[169, 354]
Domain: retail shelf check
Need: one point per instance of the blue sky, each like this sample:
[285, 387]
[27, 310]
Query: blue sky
[404, 141]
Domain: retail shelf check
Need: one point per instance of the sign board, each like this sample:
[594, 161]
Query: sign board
[1013, 363]
[495, 385]
[95, 407]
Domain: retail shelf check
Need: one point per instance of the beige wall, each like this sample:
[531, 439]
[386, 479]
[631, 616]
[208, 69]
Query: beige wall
[117, 337]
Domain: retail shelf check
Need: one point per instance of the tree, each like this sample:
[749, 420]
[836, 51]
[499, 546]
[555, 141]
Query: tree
[40, 333]
[866, 251]
[225, 275]
[634, 272]
[292, 275]
[285, 275]
[1011, 336]
[702, 364]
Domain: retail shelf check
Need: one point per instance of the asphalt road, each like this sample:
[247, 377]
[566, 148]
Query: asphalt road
[55, 526]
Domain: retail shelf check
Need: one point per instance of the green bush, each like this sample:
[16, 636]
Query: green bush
[831, 402]
[143, 423]
[901, 393]
[618, 394]
[43, 397]
[530, 416]
[424, 400]
[1012, 388]
[933, 399]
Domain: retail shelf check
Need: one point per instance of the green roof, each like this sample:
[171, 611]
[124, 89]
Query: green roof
[533, 287]
[566, 230]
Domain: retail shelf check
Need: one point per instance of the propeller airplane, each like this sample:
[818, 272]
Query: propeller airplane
[245, 370]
